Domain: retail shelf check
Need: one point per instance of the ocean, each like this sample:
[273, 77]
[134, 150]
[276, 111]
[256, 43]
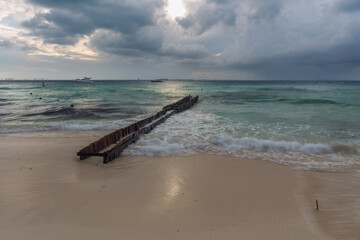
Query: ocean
[308, 125]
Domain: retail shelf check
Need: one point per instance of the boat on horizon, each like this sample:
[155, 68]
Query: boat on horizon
[84, 80]
[159, 80]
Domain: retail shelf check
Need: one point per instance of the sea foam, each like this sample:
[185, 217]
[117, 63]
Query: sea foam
[195, 131]
[253, 144]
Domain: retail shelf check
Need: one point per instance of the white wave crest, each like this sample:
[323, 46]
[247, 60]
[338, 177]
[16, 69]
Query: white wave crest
[197, 131]
[155, 147]
[252, 144]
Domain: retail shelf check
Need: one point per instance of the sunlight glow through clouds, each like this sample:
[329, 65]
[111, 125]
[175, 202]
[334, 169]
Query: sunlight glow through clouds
[176, 8]
[14, 12]
[80, 51]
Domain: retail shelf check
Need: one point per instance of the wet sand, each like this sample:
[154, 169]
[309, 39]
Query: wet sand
[46, 193]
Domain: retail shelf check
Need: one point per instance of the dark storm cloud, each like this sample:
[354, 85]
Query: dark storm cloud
[61, 3]
[295, 39]
[69, 20]
[208, 15]
[327, 63]
[215, 12]
[188, 51]
[186, 22]
[348, 5]
[146, 41]
[52, 30]
[265, 10]
[211, 16]
[117, 27]
[218, 1]
[149, 41]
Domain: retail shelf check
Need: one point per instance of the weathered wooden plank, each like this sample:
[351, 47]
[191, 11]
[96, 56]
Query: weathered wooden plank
[101, 144]
[116, 150]
[174, 105]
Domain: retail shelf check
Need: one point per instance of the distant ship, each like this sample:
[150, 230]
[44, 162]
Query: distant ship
[84, 80]
[159, 80]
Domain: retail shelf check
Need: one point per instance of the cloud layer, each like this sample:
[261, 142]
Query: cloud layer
[67, 21]
[260, 39]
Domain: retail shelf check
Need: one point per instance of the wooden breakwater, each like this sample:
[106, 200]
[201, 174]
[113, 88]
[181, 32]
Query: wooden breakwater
[111, 145]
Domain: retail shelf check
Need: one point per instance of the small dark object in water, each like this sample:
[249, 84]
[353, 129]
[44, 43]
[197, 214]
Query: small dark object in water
[31, 93]
[72, 105]
[40, 97]
[317, 204]
[43, 84]
[57, 100]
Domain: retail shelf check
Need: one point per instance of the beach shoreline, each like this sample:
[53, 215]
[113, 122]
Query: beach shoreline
[48, 193]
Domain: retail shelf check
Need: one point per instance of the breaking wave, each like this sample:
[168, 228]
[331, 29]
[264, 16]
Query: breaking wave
[252, 144]
[193, 132]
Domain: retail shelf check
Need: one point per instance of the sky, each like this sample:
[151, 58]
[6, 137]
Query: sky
[180, 39]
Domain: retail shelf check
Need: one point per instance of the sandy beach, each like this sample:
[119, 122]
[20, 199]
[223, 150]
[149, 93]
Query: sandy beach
[47, 193]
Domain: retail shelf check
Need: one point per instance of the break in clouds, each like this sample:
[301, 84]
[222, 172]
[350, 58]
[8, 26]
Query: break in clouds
[261, 39]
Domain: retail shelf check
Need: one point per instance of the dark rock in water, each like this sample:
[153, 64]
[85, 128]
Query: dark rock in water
[40, 97]
[31, 93]
[72, 105]
[57, 100]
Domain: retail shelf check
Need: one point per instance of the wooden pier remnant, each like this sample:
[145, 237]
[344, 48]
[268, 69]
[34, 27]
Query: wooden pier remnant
[111, 145]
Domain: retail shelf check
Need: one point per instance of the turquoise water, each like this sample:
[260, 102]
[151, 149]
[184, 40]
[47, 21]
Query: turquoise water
[307, 125]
